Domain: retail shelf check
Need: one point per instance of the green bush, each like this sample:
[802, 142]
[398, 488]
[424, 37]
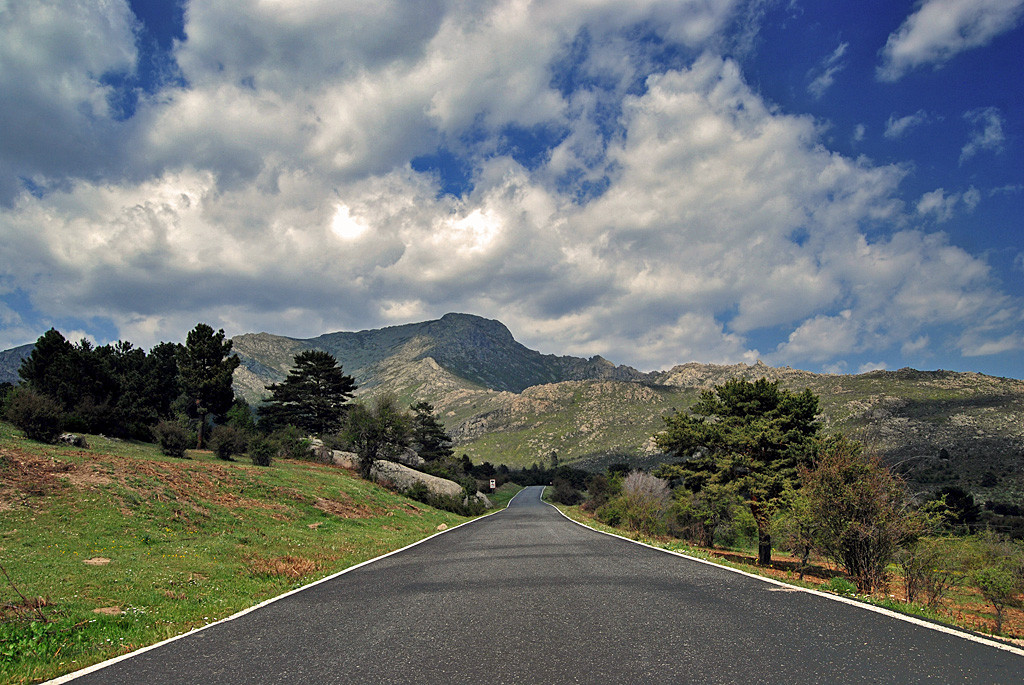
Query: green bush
[173, 438]
[289, 443]
[565, 493]
[227, 441]
[463, 506]
[38, 416]
[611, 512]
[841, 586]
[261, 452]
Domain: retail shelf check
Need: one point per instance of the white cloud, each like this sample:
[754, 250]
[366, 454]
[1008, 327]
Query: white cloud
[941, 207]
[987, 134]
[974, 347]
[897, 127]
[916, 345]
[824, 337]
[941, 29]
[872, 366]
[824, 75]
[275, 192]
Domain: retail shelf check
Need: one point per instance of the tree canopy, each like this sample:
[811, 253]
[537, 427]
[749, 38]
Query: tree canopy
[313, 397]
[115, 389]
[748, 436]
[431, 440]
[205, 368]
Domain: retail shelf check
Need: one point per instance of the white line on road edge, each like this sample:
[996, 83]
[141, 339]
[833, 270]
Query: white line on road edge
[836, 598]
[103, 664]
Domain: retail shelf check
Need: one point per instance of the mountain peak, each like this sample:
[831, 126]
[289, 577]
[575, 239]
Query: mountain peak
[480, 351]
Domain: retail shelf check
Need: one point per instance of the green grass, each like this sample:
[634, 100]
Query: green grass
[188, 541]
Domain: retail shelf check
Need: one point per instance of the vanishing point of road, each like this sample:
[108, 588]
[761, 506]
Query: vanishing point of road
[527, 596]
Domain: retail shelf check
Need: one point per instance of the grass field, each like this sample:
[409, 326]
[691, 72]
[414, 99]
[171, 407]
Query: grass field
[111, 548]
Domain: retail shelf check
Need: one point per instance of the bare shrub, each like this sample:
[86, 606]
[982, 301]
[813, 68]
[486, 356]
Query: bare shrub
[645, 500]
[932, 567]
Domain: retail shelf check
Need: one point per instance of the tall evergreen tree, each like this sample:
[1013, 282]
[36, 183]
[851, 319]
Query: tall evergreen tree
[430, 440]
[48, 369]
[205, 368]
[749, 437]
[163, 386]
[312, 397]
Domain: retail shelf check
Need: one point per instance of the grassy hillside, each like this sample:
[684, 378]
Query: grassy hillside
[118, 546]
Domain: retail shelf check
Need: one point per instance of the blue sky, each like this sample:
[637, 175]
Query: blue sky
[831, 186]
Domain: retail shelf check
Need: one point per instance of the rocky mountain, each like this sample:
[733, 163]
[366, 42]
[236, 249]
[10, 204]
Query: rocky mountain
[478, 352]
[506, 403]
[10, 362]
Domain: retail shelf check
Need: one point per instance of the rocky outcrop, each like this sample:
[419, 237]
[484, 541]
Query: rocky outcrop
[348, 460]
[403, 477]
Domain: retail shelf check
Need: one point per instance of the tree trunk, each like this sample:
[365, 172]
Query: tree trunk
[764, 548]
[764, 536]
[199, 433]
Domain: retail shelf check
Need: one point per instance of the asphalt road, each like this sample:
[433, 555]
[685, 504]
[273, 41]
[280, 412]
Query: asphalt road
[526, 596]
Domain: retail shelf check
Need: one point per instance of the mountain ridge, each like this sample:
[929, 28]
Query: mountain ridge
[506, 403]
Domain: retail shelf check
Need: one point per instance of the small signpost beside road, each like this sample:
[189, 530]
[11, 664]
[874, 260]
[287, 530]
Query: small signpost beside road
[492, 485]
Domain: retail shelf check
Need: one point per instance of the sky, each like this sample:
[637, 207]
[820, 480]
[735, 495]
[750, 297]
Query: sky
[832, 186]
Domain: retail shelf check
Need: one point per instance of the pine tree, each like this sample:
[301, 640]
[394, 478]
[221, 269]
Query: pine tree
[205, 368]
[312, 397]
[431, 440]
[749, 437]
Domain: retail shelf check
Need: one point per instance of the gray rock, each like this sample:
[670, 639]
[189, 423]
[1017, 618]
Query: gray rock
[409, 457]
[73, 440]
[348, 460]
[402, 477]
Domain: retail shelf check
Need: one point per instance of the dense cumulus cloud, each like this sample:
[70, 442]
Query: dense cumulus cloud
[672, 213]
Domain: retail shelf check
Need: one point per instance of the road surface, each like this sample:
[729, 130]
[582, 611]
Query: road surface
[526, 596]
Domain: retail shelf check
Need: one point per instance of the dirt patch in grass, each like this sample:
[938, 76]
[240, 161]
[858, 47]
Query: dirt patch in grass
[24, 475]
[86, 477]
[288, 566]
[346, 509]
[108, 611]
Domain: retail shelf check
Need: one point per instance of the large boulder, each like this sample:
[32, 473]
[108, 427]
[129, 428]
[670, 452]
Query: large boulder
[349, 460]
[73, 440]
[410, 457]
[402, 477]
[318, 452]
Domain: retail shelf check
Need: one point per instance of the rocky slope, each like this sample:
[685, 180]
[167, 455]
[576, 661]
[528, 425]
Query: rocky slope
[10, 362]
